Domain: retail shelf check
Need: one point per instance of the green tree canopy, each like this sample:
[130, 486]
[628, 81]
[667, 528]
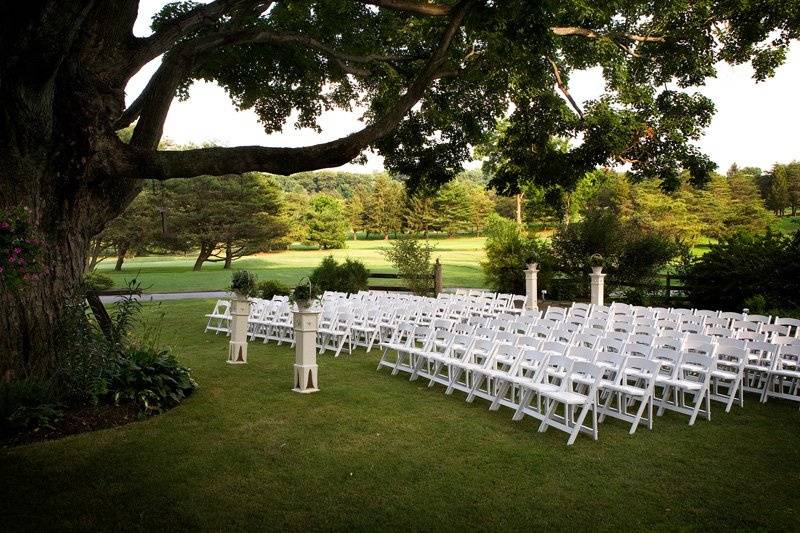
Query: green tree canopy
[327, 223]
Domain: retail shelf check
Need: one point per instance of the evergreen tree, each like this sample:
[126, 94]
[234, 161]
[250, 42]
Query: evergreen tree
[778, 195]
[327, 223]
[384, 211]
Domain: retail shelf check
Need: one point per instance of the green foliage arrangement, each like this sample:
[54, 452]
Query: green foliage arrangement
[305, 294]
[20, 249]
[747, 271]
[27, 404]
[350, 276]
[244, 283]
[509, 249]
[97, 281]
[412, 259]
[270, 287]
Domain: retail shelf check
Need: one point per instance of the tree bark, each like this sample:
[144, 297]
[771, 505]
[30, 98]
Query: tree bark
[519, 208]
[228, 256]
[121, 251]
[202, 256]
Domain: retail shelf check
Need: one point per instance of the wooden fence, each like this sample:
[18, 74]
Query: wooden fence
[669, 290]
[436, 279]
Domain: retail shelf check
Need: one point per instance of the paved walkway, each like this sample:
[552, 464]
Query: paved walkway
[155, 297]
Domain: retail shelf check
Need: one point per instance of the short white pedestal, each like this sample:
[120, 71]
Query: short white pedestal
[598, 282]
[305, 350]
[531, 286]
[237, 347]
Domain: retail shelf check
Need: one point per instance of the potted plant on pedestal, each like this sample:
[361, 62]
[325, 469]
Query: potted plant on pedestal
[305, 295]
[243, 285]
[597, 262]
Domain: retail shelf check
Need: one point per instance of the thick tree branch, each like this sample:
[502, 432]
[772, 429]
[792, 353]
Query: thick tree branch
[592, 34]
[236, 160]
[157, 94]
[164, 39]
[563, 87]
[410, 6]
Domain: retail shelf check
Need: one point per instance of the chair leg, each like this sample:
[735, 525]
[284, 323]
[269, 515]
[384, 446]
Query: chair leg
[579, 423]
[550, 409]
[523, 403]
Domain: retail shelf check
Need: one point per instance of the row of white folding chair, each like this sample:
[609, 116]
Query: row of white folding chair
[509, 367]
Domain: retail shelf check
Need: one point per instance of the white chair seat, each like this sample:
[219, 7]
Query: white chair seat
[571, 398]
[786, 373]
[630, 390]
[724, 374]
[680, 383]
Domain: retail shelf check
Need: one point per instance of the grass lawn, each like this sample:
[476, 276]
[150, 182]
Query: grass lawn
[373, 451]
[460, 258]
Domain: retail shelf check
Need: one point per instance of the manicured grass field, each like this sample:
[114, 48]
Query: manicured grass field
[373, 451]
[460, 258]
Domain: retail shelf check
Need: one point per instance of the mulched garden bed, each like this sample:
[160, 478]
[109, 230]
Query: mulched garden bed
[77, 420]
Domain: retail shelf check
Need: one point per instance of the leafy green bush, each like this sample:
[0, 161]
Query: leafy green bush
[244, 282]
[630, 254]
[350, 276]
[509, 249]
[305, 294]
[152, 380]
[270, 287]
[97, 281]
[412, 259]
[27, 404]
[737, 270]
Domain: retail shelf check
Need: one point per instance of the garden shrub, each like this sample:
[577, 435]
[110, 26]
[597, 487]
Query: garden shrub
[27, 404]
[412, 259]
[742, 270]
[270, 287]
[630, 254]
[97, 281]
[509, 249]
[152, 380]
[350, 276]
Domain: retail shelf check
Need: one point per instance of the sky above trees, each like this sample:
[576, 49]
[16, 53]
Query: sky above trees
[753, 125]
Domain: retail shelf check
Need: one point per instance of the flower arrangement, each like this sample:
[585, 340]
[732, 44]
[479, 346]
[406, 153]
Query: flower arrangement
[20, 250]
[305, 294]
[244, 283]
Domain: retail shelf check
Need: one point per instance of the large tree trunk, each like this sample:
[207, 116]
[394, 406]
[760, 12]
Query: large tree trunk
[228, 256]
[121, 251]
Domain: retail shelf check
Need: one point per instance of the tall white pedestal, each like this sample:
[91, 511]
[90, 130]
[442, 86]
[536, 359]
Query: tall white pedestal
[237, 347]
[531, 287]
[305, 350]
[598, 285]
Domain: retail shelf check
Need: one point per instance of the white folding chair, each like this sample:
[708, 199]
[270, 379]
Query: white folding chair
[783, 379]
[575, 395]
[635, 383]
[727, 378]
[691, 374]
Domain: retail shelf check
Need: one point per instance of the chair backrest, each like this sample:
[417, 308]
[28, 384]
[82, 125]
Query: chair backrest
[562, 335]
[533, 364]
[670, 343]
[793, 323]
[645, 330]
[528, 341]
[717, 322]
[699, 366]
[586, 339]
[582, 353]
[611, 362]
[669, 360]
[705, 313]
[761, 319]
[720, 332]
[762, 354]
[730, 358]
[584, 378]
[599, 324]
[542, 332]
[751, 336]
[637, 350]
[681, 311]
[484, 332]
[505, 337]
[699, 347]
[645, 369]
[464, 329]
[788, 358]
[732, 342]
[665, 324]
[610, 345]
[555, 347]
[745, 325]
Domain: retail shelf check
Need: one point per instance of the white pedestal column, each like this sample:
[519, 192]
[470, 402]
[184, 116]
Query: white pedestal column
[598, 283]
[305, 350]
[237, 347]
[531, 287]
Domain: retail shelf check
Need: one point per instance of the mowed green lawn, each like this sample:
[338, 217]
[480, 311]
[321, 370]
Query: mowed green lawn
[460, 258]
[373, 451]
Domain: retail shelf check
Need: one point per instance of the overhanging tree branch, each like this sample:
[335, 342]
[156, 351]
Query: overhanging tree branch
[592, 34]
[236, 160]
[563, 87]
[410, 6]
